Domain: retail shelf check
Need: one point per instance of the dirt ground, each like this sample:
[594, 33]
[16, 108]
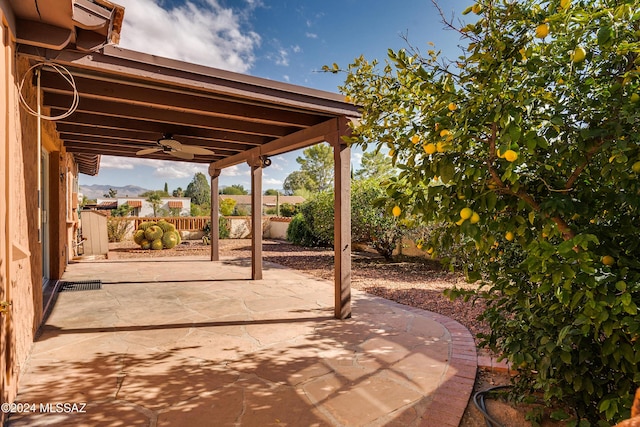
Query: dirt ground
[411, 281]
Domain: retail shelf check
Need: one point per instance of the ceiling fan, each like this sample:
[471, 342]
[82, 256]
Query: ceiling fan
[170, 146]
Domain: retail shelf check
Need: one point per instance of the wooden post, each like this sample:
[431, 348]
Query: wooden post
[256, 218]
[342, 223]
[215, 209]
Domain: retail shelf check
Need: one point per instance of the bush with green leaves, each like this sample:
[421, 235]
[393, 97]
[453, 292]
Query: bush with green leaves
[371, 220]
[224, 230]
[526, 149]
[299, 232]
[156, 235]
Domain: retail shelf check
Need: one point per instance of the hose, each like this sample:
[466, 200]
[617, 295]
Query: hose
[478, 400]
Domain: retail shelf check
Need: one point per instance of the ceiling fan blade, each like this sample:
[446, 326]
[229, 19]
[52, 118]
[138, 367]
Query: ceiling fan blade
[195, 150]
[147, 151]
[170, 142]
[181, 154]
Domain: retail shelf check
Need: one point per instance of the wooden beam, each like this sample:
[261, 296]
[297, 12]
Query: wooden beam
[215, 209]
[342, 222]
[131, 65]
[116, 109]
[256, 220]
[135, 93]
[302, 138]
[243, 141]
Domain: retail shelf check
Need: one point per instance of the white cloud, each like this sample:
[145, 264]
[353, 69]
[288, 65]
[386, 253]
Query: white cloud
[207, 34]
[272, 181]
[232, 171]
[178, 170]
[311, 35]
[281, 57]
[110, 162]
[160, 168]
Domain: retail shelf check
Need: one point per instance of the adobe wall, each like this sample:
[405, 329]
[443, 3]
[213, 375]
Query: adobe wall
[5, 71]
[21, 273]
[25, 288]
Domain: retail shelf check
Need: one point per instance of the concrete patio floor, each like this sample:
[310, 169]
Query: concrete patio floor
[190, 342]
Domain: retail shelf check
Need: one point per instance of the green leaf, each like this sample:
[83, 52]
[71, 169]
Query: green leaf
[559, 415]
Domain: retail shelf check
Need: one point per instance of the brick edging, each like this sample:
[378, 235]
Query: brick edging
[452, 396]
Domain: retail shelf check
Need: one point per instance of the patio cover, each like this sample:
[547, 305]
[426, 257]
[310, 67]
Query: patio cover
[128, 100]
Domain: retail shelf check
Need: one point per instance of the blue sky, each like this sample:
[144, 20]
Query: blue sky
[281, 40]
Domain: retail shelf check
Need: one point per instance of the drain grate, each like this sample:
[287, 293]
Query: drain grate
[83, 285]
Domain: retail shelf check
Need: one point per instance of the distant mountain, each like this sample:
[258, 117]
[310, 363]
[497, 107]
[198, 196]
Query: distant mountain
[98, 191]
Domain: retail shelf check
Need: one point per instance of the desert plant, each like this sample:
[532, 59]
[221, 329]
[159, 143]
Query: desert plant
[138, 236]
[154, 232]
[170, 239]
[116, 229]
[156, 235]
[156, 245]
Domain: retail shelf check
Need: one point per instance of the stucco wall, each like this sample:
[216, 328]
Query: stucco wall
[26, 276]
[21, 272]
[5, 124]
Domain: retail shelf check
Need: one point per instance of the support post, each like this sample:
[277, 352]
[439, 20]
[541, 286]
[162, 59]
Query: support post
[256, 218]
[215, 209]
[342, 223]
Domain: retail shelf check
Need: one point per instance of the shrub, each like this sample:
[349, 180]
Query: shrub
[299, 232]
[116, 229]
[224, 229]
[371, 221]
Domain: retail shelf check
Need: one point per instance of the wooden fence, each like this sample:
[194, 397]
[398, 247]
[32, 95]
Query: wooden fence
[182, 223]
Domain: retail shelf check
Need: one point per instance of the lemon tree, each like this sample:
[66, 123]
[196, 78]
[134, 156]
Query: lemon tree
[535, 131]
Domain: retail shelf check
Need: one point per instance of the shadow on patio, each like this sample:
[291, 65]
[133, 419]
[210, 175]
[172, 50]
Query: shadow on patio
[193, 342]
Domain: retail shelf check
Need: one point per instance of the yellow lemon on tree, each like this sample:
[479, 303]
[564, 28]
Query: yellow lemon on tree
[415, 139]
[509, 236]
[578, 54]
[391, 153]
[444, 132]
[565, 4]
[636, 167]
[542, 31]
[430, 251]
[430, 148]
[396, 211]
[440, 147]
[476, 8]
[608, 260]
[475, 218]
[635, 97]
[452, 106]
[466, 213]
[347, 99]
[510, 155]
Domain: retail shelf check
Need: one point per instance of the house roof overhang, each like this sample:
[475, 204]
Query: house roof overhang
[128, 100]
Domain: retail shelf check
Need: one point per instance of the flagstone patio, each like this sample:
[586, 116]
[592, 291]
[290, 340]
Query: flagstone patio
[190, 342]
